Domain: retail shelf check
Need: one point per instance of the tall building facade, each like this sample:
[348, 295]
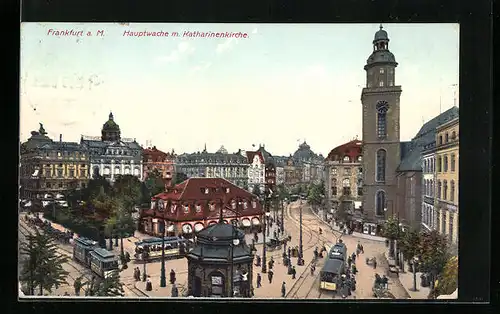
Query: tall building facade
[293, 172]
[344, 180]
[50, 168]
[310, 163]
[221, 164]
[262, 169]
[429, 214]
[111, 155]
[380, 128]
[447, 176]
[164, 163]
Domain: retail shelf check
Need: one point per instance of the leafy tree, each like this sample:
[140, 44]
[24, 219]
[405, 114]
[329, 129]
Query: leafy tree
[103, 204]
[180, 177]
[256, 190]
[95, 186]
[283, 192]
[155, 183]
[341, 213]
[105, 287]
[409, 243]
[434, 254]
[110, 226]
[314, 195]
[391, 232]
[128, 188]
[43, 266]
[448, 280]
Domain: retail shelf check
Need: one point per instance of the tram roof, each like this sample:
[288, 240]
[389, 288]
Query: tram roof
[85, 241]
[333, 266]
[158, 240]
[103, 253]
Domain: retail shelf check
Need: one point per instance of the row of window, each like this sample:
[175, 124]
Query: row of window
[442, 163]
[441, 223]
[442, 190]
[117, 170]
[346, 172]
[187, 208]
[428, 215]
[447, 139]
[346, 191]
[64, 154]
[59, 173]
[60, 185]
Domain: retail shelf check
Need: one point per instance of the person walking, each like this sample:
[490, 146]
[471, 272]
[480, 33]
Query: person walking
[283, 290]
[313, 268]
[259, 280]
[374, 263]
[349, 261]
[289, 252]
[175, 291]
[353, 256]
[294, 272]
[172, 276]
[270, 274]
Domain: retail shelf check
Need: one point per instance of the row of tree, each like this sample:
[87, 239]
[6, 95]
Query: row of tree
[427, 251]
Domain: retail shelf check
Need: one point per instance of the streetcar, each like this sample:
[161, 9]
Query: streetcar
[331, 274]
[175, 247]
[101, 261]
[338, 252]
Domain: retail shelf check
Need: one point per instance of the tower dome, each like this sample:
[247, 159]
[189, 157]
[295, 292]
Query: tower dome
[110, 130]
[381, 34]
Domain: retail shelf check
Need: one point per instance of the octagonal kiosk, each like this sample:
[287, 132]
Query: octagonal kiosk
[220, 251]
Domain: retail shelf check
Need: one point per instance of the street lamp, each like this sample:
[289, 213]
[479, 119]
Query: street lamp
[234, 243]
[144, 259]
[264, 262]
[282, 218]
[300, 261]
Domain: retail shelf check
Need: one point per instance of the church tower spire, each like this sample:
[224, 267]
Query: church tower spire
[380, 128]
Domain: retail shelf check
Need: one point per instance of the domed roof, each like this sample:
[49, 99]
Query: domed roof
[110, 125]
[222, 150]
[220, 233]
[304, 152]
[381, 34]
[381, 56]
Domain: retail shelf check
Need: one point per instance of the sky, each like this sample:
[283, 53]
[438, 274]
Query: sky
[283, 84]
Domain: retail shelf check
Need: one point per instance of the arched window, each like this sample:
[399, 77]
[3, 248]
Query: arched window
[439, 189]
[380, 203]
[453, 135]
[347, 159]
[445, 163]
[382, 108]
[381, 159]
[452, 191]
[346, 187]
[446, 138]
[439, 164]
[334, 187]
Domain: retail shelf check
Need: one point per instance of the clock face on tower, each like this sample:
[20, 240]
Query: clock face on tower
[382, 106]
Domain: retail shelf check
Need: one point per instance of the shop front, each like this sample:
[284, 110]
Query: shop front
[370, 228]
[256, 225]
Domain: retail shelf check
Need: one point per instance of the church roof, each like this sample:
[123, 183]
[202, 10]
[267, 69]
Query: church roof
[411, 152]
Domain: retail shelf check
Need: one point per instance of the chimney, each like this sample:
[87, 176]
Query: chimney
[60, 137]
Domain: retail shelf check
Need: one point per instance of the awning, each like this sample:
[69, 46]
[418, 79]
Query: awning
[255, 221]
[187, 228]
[198, 227]
[212, 223]
[35, 173]
[246, 222]
[170, 228]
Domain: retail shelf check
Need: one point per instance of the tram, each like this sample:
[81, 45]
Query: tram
[331, 274]
[338, 251]
[100, 261]
[175, 247]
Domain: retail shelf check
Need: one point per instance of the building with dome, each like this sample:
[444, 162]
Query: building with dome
[310, 163]
[111, 155]
[220, 256]
[221, 164]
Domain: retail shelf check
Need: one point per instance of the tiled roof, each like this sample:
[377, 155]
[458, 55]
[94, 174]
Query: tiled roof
[353, 149]
[155, 155]
[193, 189]
[411, 152]
[251, 155]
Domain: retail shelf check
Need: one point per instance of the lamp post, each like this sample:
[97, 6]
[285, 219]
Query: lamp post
[163, 278]
[144, 259]
[300, 261]
[391, 242]
[282, 218]
[234, 241]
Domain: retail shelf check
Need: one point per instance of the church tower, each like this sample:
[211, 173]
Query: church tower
[381, 144]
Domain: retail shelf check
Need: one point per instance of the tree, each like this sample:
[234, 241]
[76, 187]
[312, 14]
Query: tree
[391, 232]
[128, 188]
[256, 190]
[105, 287]
[95, 186]
[448, 280]
[434, 254]
[155, 183]
[410, 245]
[314, 195]
[180, 177]
[283, 192]
[43, 266]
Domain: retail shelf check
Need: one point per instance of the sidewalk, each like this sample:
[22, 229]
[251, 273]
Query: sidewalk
[406, 281]
[355, 234]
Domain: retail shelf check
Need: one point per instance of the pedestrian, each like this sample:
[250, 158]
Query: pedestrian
[259, 280]
[149, 285]
[138, 274]
[175, 291]
[374, 263]
[354, 269]
[66, 294]
[172, 276]
[385, 281]
[275, 233]
[270, 265]
[316, 253]
[257, 260]
[294, 272]
[289, 252]
[362, 249]
[313, 268]
[78, 285]
[270, 275]
[283, 290]
[353, 257]
[349, 261]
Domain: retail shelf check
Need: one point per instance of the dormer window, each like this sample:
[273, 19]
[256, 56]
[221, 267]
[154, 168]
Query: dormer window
[186, 209]
[198, 208]
[206, 190]
[347, 159]
[211, 207]
[227, 190]
[254, 204]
